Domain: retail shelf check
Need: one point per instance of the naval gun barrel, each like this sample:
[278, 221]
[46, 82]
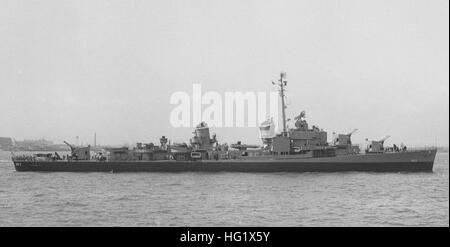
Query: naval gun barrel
[384, 138]
[70, 145]
[353, 131]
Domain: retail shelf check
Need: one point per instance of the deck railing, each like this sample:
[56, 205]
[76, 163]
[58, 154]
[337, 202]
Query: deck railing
[23, 157]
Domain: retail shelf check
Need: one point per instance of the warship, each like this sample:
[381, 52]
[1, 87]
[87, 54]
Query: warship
[298, 149]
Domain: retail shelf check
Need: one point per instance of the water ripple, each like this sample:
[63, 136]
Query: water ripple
[224, 199]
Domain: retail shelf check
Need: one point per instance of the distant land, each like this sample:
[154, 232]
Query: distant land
[439, 149]
[442, 149]
[10, 144]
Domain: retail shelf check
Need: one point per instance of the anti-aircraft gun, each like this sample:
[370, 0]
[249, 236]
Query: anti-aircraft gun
[376, 146]
[79, 153]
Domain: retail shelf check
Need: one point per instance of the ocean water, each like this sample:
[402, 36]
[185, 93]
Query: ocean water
[224, 199]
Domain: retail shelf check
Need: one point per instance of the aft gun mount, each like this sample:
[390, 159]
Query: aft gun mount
[79, 153]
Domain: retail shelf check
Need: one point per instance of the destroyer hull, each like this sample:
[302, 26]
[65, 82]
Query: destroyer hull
[416, 161]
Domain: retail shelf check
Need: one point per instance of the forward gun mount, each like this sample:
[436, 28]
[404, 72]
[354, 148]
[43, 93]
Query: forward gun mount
[376, 146]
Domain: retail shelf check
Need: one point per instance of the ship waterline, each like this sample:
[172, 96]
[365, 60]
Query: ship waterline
[411, 161]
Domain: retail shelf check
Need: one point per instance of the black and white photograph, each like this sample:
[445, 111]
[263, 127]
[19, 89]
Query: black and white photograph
[200, 114]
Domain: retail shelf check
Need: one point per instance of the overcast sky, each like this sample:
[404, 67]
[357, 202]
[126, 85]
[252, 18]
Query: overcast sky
[71, 68]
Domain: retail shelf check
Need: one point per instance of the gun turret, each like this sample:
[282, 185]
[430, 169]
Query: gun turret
[79, 153]
[376, 146]
[343, 140]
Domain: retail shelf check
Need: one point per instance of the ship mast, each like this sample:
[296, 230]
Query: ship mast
[282, 83]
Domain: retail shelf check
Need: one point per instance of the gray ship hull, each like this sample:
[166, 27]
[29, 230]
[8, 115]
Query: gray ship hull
[411, 161]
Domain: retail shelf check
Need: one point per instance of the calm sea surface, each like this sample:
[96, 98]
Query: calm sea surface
[224, 199]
